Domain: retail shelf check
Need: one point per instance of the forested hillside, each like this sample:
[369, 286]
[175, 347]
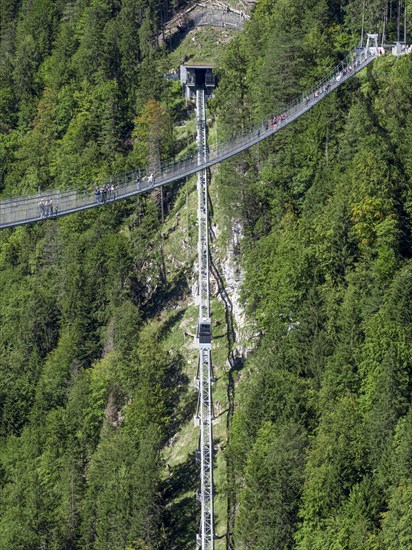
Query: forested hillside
[314, 428]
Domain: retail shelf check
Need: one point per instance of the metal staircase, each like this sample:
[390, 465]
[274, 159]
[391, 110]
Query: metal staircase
[203, 383]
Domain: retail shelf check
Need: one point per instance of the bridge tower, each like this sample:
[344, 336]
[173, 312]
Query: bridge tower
[372, 41]
[199, 83]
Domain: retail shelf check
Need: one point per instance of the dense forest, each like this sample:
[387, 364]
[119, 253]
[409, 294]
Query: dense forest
[313, 392]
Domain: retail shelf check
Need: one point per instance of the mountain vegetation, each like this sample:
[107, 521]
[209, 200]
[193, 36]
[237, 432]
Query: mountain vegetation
[94, 378]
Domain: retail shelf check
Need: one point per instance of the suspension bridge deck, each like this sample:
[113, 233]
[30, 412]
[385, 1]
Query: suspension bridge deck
[24, 210]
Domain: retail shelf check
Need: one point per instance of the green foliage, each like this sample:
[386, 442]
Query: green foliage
[120, 503]
[273, 476]
[325, 211]
[152, 136]
[320, 444]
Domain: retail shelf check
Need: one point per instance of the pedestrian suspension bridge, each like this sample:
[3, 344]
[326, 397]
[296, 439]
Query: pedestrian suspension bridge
[24, 210]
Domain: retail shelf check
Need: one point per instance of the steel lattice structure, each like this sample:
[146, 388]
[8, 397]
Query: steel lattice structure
[204, 382]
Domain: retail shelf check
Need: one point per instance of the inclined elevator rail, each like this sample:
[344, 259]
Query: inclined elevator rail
[205, 539]
[25, 209]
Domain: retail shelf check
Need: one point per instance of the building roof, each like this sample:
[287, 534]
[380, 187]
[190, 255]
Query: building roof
[198, 65]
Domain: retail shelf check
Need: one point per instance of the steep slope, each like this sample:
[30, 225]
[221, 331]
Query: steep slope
[323, 415]
[97, 312]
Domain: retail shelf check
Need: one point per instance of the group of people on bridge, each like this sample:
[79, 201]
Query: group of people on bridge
[105, 193]
[319, 92]
[46, 208]
[402, 49]
[274, 120]
[150, 180]
[109, 192]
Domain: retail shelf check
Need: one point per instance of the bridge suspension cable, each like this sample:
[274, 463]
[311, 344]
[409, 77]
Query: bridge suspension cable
[27, 209]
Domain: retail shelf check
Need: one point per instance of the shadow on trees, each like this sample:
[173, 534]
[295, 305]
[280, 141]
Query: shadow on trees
[181, 514]
[181, 403]
[175, 39]
[166, 296]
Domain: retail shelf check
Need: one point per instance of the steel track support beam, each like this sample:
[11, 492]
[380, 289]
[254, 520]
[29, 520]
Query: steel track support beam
[205, 539]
